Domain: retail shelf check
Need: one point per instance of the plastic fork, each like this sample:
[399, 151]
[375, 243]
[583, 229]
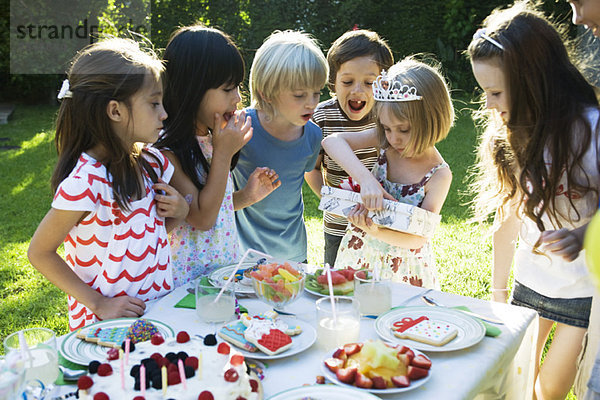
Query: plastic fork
[435, 303]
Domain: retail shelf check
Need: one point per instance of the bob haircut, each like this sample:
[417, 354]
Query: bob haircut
[197, 59]
[431, 117]
[354, 44]
[286, 60]
[111, 69]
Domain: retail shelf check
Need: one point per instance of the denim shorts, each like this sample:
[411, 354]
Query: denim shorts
[573, 311]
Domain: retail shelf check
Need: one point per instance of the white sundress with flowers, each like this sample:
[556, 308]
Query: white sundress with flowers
[195, 252]
[412, 266]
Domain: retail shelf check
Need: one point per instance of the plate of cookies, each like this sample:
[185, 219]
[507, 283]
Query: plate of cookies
[94, 341]
[429, 329]
[267, 336]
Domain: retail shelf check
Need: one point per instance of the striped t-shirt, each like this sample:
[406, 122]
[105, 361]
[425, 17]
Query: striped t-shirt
[331, 119]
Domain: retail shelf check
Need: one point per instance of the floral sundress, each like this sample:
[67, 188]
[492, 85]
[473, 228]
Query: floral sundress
[412, 266]
[194, 252]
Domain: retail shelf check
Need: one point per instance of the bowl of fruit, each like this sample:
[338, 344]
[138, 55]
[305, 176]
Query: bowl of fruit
[277, 284]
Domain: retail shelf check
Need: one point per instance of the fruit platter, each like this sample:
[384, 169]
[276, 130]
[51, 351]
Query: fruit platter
[277, 284]
[377, 367]
[342, 280]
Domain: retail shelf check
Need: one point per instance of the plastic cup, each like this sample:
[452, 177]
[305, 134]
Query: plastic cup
[344, 328]
[40, 359]
[375, 297]
[210, 311]
[12, 374]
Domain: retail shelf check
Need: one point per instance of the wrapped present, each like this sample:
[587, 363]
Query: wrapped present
[395, 215]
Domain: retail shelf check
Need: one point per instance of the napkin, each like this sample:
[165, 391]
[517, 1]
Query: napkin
[490, 330]
[189, 300]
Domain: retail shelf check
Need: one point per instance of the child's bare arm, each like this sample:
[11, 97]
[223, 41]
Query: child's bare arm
[314, 178]
[504, 242]
[261, 182]
[340, 147]
[170, 205]
[43, 256]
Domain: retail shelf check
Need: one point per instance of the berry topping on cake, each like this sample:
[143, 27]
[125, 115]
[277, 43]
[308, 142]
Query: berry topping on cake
[93, 366]
[157, 339]
[206, 395]
[237, 360]
[231, 375]
[210, 339]
[223, 348]
[141, 330]
[101, 396]
[254, 385]
[183, 337]
[191, 362]
[105, 369]
[112, 354]
[84, 382]
[131, 346]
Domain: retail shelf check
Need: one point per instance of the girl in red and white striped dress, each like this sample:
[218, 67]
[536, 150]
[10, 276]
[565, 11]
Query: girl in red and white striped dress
[112, 205]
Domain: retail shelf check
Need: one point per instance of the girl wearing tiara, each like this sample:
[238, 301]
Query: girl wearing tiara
[538, 171]
[409, 168]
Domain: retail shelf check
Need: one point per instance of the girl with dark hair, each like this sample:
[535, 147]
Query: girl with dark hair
[202, 137]
[106, 206]
[538, 172]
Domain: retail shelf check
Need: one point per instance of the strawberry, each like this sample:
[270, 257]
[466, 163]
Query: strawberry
[379, 382]
[173, 378]
[231, 375]
[112, 354]
[334, 364]
[361, 274]
[416, 373]
[191, 362]
[206, 395]
[400, 381]
[101, 396]
[237, 360]
[340, 353]
[254, 385]
[320, 380]
[421, 361]
[157, 339]
[410, 354]
[105, 370]
[156, 357]
[403, 350]
[362, 381]
[346, 375]
[183, 337]
[352, 348]
[223, 348]
[85, 382]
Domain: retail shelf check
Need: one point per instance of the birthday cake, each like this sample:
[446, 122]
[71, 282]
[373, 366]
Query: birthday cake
[190, 369]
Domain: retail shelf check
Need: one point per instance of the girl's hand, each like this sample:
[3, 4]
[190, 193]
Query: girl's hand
[372, 194]
[169, 202]
[230, 138]
[563, 242]
[119, 307]
[261, 182]
[358, 217]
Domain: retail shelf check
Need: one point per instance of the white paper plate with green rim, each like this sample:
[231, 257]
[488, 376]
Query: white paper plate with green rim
[323, 392]
[470, 330]
[81, 352]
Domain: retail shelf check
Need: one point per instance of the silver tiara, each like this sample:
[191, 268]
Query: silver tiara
[385, 89]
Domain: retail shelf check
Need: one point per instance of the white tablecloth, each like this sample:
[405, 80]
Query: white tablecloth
[497, 367]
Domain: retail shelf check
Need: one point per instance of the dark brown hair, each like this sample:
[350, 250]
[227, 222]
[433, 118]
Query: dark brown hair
[354, 44]
[113, 69]
[548, 99]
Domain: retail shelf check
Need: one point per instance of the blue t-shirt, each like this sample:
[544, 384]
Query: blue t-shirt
[275, 225]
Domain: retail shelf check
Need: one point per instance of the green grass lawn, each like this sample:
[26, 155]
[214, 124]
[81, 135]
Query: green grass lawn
[27, 299]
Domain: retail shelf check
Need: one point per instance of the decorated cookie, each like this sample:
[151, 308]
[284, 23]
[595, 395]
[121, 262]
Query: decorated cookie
[141, 330]
[268, 340]
[233, 333]
[424, 330]
[276, 323]
[108, 337]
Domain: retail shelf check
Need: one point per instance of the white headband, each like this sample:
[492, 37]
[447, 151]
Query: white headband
[481, 34]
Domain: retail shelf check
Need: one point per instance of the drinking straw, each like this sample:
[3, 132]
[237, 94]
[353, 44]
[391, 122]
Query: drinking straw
[182, 373]
[163, 375]
[127, 349]
[25, 350]
[143, 380]
[375, 276]
[232, 278]
[331, 298]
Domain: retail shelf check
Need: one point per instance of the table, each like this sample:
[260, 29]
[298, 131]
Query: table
[500, 367]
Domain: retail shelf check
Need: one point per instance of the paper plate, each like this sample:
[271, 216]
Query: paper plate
[470, 330]
[219, 277]
[81, 352]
